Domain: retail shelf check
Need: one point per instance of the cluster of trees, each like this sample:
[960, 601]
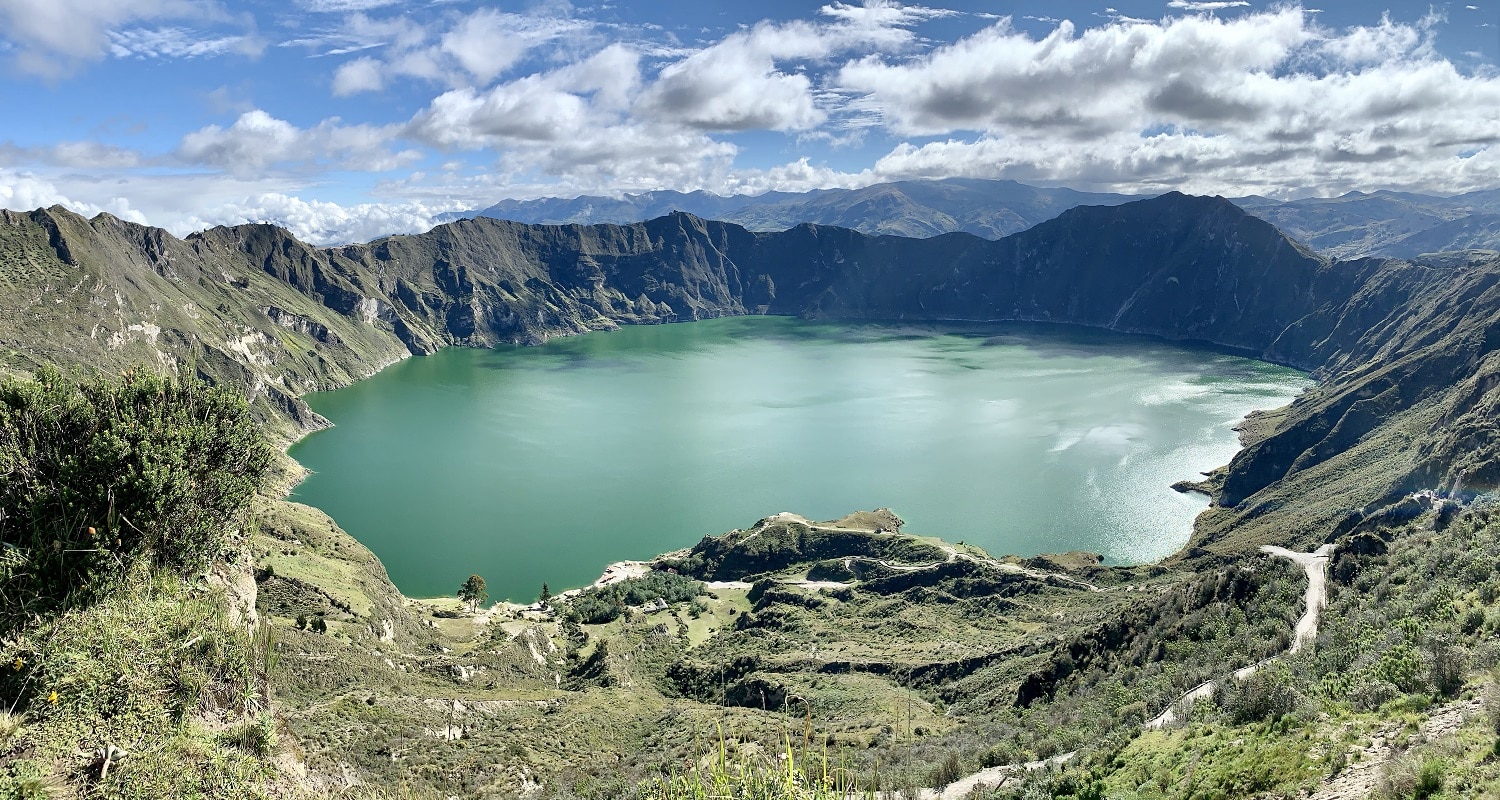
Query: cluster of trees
[606, 603]
[317, 625]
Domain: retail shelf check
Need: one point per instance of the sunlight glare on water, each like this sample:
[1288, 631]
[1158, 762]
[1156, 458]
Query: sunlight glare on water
[532, 464]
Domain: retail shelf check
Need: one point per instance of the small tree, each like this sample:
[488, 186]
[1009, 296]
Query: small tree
[546, 595]
[473, 592]
[319, 625]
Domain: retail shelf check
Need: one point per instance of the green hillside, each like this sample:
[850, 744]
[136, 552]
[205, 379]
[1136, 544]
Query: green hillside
[228, 643]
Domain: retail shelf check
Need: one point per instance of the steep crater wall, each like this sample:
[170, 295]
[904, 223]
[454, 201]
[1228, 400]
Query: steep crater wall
[1405, 351]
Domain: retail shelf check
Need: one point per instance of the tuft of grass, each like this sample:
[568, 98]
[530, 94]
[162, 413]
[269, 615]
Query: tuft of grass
[39, 787]
[10, 725]
[789, 776]
[255, 736]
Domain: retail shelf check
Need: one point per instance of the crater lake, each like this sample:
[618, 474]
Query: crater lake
[543, 464]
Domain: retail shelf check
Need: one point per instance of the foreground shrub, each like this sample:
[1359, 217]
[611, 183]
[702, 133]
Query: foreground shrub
[1265, 695]
[102, 474]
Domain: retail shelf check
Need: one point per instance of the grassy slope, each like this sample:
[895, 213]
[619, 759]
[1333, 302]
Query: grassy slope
[623, 718]
[156, 671]
[1036, 669]
[387, 713]
[119, 295]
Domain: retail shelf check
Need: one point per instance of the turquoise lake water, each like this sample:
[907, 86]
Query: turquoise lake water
[533, 464]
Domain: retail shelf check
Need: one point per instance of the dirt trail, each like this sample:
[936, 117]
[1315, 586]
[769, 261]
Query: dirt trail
[991, 777]
[1360, 778]
[1315, 565]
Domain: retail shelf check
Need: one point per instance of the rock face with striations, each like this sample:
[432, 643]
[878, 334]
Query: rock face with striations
[1400, 346]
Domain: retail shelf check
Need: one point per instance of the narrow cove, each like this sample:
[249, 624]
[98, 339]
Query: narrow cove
[542, 464]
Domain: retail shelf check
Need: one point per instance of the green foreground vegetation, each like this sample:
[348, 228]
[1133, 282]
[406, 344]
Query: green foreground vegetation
[123, 675]
[790, 660]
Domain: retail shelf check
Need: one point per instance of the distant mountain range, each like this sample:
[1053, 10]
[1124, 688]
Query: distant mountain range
[1399, 224]
[919, 209]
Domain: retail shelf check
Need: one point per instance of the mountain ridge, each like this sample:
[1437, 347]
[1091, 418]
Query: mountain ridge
[917, 208]
[1355, 224]
[253, 305]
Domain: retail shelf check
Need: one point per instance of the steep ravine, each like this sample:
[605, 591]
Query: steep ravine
[1400, 347]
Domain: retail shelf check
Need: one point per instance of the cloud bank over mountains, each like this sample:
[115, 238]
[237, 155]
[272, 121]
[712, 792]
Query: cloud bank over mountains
[467, 106]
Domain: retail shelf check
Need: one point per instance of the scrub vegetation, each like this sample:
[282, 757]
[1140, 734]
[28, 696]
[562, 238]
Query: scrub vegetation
[170, 628]
[123, 674]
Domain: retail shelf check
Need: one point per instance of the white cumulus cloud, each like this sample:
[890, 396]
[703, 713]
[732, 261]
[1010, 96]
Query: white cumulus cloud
[736, 85]
[319, 222]
[258, 141]
[484, 44]
[360, 75]
[22, 191]
[759, 79]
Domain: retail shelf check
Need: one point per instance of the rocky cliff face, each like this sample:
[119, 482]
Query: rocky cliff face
[1400, 346]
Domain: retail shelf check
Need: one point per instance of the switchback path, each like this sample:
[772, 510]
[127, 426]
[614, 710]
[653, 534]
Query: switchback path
[1314, 564]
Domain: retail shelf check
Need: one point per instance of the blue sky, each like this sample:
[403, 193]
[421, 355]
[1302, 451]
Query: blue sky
[346, 119]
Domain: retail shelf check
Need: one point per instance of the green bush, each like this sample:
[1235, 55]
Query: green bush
[1429, 780]
[100, 474]
[946, 772]
[1402, 666]
[1265, 695]
[606, 603]
[998, 755]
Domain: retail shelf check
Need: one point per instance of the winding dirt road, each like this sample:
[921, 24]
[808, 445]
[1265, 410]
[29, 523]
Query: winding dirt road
[1314, 564]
